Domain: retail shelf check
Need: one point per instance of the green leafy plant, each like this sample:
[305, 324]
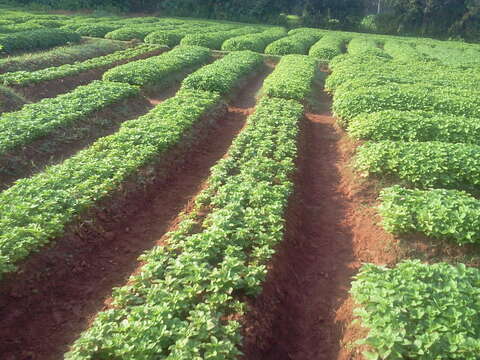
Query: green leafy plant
[415, 125]
[58, 72]
[328, 47]
[37, 39]
[39, 119]
[223, 75]
[297, 43]
[36, 210]
[438, 213]
[423, 164]
[254, 42]
[292, 78]
[419, 311]
[158, 68]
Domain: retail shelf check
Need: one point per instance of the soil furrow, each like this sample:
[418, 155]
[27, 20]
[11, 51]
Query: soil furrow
[304, 309]
[43, 311]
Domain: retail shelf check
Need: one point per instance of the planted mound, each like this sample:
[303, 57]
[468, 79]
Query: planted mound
[328, 47]
[298, 43]
[349, 102]
[223, 75]
[254, 42]
[39, 119]
[423, 164]
[58, 72]
[415, 126]
[216, 39]
[292, 78]
[158, 68]
[438, 213]
[36, 39]
[419, 311]
[60, 56]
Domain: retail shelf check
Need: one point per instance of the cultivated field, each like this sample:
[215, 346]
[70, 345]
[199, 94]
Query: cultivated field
[189, 189]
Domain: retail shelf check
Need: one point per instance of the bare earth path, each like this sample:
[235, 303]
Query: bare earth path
[305, 308]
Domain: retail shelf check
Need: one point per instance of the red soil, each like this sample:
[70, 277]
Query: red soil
[304, 311]
[45, 307]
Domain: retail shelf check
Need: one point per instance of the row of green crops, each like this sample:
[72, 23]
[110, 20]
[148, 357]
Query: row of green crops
[298, 43]
[222, 76]
[130, 33]
[404, 51]
[159, 68]
[403, 97]
[415, 125]
[419, 119]
[57, 72]
[14, 28]
[184, 302]
[36, 39]
[39, 119]
[364, 46]
[328, 47]
[420, 311]
[439, 213]
[60, 55]
[255, 42]
[423, 164]
[36, 210]
[215, 40]
[293, 78]
[172, 37]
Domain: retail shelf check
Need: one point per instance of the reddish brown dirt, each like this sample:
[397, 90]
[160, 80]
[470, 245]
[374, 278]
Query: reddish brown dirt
[305, 310]
[52, 88]
[45, 307]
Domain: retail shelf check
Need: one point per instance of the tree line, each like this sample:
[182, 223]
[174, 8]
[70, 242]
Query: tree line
[439, 18]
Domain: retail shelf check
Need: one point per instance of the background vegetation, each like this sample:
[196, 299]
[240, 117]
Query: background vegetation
[436, 18]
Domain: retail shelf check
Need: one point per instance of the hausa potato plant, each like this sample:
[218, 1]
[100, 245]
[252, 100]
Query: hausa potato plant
[410, 105]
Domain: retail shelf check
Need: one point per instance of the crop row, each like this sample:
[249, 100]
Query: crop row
[214, 40]
[364, 70]
[415, 125]
[328, 47]
[403, 51]
[423, 164]
[60, 55]
[293, 78]
[36, 120]
[255, 42]
[159, 68]
[352, 101]
[297, 43]
[364, 46]
[419, 311]
[173, 37]
[57, 72]
[36, 39]
[184, 302]
[39, 119]
[36, 210]
[222, 75]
